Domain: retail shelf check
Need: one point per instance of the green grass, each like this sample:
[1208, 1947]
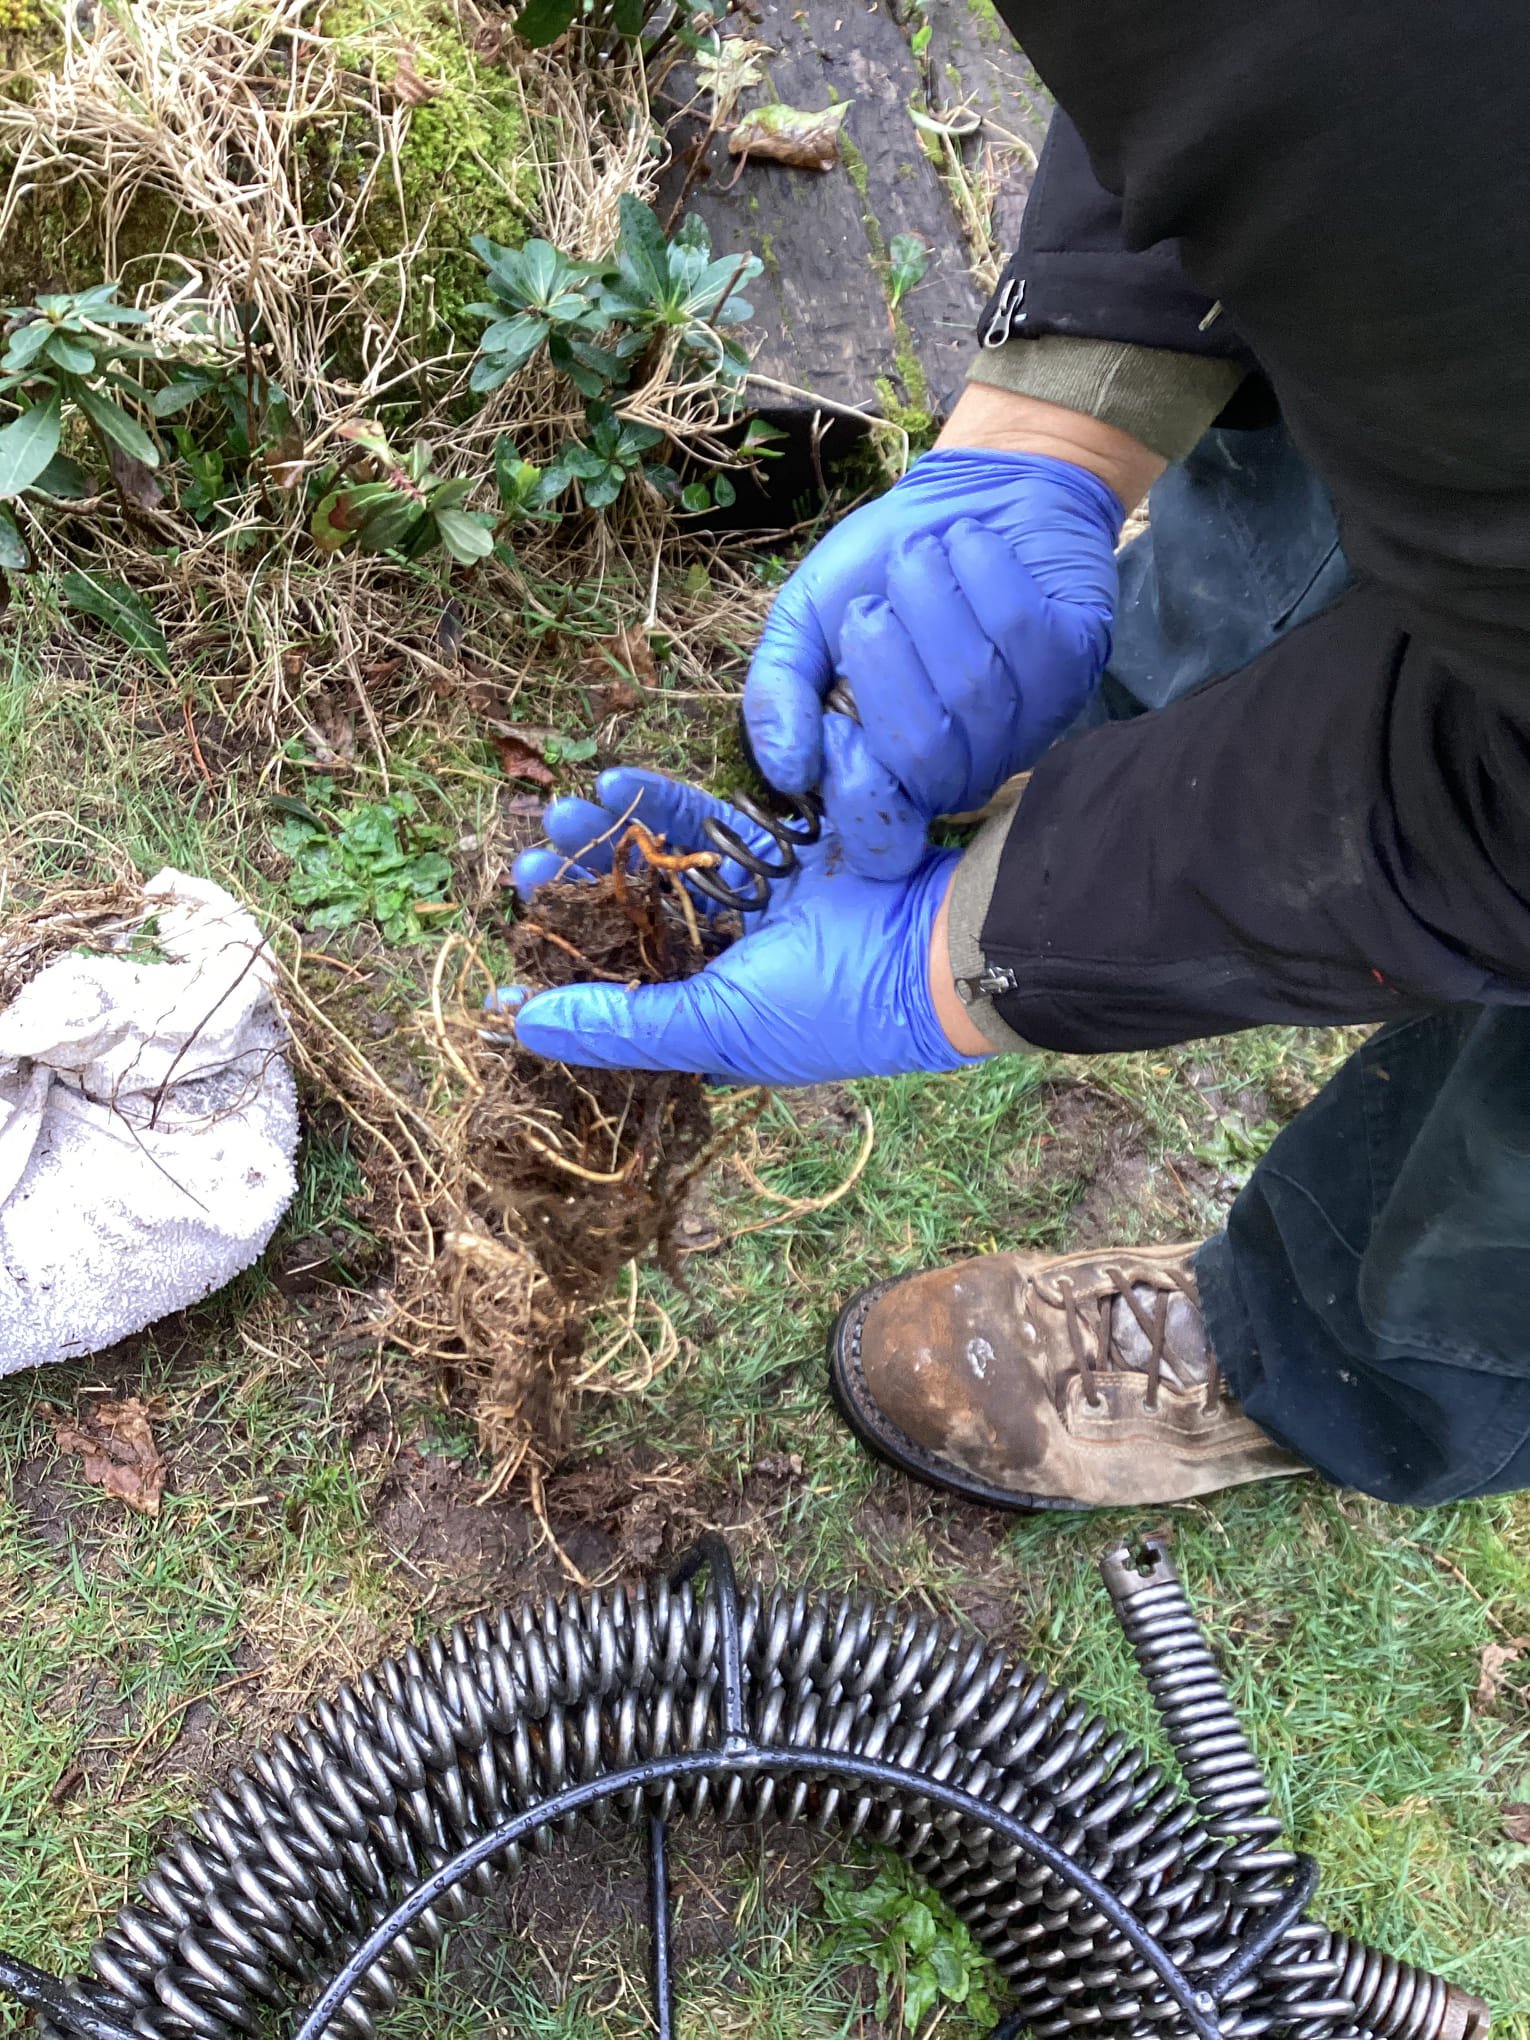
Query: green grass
[1353, 1633]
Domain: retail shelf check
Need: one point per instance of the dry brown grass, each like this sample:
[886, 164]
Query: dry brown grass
[205, 113]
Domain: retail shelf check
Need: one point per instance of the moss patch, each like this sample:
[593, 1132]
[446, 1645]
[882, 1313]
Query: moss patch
[462, 167]
[912, 409]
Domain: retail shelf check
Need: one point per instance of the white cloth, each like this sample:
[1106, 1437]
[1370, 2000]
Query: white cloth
[148, 1123]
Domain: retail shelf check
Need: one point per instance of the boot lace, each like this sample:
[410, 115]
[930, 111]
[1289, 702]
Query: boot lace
[1091, 1323]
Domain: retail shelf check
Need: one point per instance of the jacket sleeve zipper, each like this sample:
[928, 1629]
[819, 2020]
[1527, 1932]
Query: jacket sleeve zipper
[989, 983]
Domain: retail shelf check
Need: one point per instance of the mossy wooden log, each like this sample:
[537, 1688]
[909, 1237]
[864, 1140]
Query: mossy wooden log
[828, 319]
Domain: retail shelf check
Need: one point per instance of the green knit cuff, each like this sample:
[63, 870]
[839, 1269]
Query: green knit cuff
[971, 893]
[1163, 399]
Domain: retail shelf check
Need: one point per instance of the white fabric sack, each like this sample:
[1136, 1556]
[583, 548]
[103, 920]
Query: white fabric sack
[148, 1123]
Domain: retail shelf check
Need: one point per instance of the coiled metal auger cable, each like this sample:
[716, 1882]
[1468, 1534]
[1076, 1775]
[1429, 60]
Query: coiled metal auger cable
[1114, 1905]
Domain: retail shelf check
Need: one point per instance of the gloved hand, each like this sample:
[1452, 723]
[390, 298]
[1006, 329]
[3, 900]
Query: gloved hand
[831, 980]
[969, 610]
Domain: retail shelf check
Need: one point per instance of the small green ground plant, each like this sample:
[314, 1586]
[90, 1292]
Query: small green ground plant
[922, 1955]
[378, 861]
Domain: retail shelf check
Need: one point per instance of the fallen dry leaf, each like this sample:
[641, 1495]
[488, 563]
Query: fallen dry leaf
[778, 1465]
[408, 87]
[520, 760]
[73, 1777]
[1491, 1666]
[787, 134]
[619, 698]
[117, 1451]
[136, 481]
[381, 671]
[632, 656]
[1516, 1823]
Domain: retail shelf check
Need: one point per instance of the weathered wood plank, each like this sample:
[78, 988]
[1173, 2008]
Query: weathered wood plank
[972, 66]
[825, 320]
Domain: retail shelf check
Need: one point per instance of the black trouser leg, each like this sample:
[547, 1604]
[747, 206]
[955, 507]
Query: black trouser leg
[1370, 1299]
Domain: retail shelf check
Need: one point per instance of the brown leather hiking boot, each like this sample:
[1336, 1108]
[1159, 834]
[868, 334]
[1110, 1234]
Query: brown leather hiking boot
[1036, 1381]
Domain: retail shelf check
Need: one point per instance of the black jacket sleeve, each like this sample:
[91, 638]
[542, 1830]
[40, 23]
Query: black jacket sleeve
[1351, 184]
[1342, 831]
[1339, 833]
[1074, 274]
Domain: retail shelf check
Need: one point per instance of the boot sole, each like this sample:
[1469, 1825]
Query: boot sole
[883, 1439]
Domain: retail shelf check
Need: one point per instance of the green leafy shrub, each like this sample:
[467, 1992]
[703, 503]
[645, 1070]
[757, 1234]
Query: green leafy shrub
[542, 298]
[920, 1952]
[597, 323]
[63, 357]
[381, 504]
[379, 862]
[677, 289]
[604, 461]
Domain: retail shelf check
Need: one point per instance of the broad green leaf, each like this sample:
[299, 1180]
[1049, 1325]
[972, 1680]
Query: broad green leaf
[453, 494]
[177, 395]
[26, 343]
[71, 355]
[117, 315]
[761, 433]
[513, 341]
[15, 558]
[920, 1992]
[121, 608]
[601, 492]
[488, 252]
[517, 480]
[64, 480]
[541, 22]
[466, 536]
[116, 425]
[489, 373]
[723, 492]
[950, 1971]
[541, 265]
[908, 259]
[589, 382]
[584, 461]
[917, 1923]
[629, 16]
[696, 497]
[645, 252]
[390, 525]
[327, 535]
[28, 444]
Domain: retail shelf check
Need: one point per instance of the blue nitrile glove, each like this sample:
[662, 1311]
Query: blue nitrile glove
[831, 980]
[1000, 569]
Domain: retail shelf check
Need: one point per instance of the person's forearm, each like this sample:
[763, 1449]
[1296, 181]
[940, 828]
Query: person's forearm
[1339, 833]
[950, 1011]
[1007, 423]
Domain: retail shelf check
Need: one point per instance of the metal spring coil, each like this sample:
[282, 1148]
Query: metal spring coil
[292, 1862]
[803, 826]
[1219, 1766]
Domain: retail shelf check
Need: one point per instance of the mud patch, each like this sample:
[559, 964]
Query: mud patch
[1096, 1181]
